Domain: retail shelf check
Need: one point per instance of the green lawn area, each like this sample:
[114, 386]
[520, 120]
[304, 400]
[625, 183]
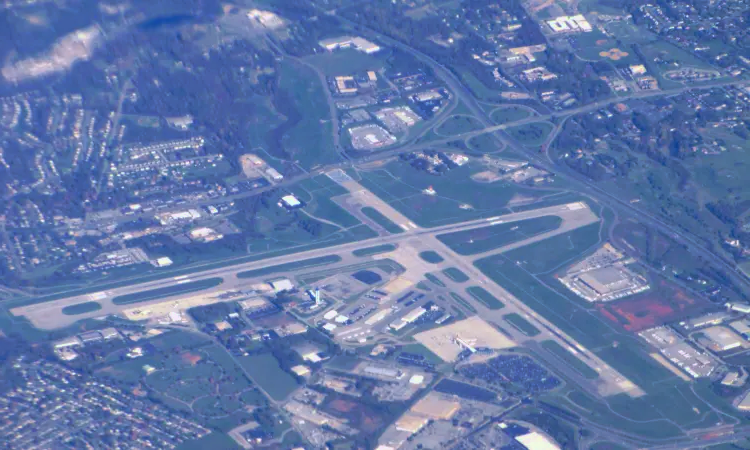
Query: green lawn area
[374, 250]
[458, 198]
[458, 124]
[481, 294]
[381, 220]
[81, 308]
[521, 324]
[265, 371]
[431, 257]
[312, 262]
[509, 114]
[419, 349]
[485, 143]
[480, 240]
[532, 134]
[154, 294]
[578, 365]
[456, 275]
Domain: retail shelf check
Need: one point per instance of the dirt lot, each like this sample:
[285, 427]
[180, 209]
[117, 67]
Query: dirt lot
[662, 304]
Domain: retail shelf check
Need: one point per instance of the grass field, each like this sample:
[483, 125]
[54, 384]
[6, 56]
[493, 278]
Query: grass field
[549, 254]
[489, 300]
[480, 240]
[484, 143]
[458, 198]
[381, 220]
[316, 193]
[456, 275]
[214, 440]
[154, 294]
[461, 301]
[431, 257]
[578, 365]
[305, 263]
[307, 138]
[347, 61]
[455, 125]
[521, 324]
[81, 308]
[532, 134]
[419, 349]
[434, 280]
[374, 250]
[477, 88]
[510, 114]
[265, 371]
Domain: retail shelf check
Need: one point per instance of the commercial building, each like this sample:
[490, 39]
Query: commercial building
[568, 24]
[290, 202]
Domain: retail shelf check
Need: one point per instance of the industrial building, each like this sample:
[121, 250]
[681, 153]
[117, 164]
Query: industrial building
[290, 202]
[411, 423]
[714, 318]
[743, 308]
[256, 305]
[410, 317]
[718, 339]
[744, 404]
[678, 352]
[357, 43]
[605, 283]
[370, 137]
[436, 407]
[282, 285]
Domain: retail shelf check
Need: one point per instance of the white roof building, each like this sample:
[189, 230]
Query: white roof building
[537, 441]
[282, 285]
[290, 201]
[358, 43]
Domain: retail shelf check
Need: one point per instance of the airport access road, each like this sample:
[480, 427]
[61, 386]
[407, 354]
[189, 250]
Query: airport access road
[48, 315]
